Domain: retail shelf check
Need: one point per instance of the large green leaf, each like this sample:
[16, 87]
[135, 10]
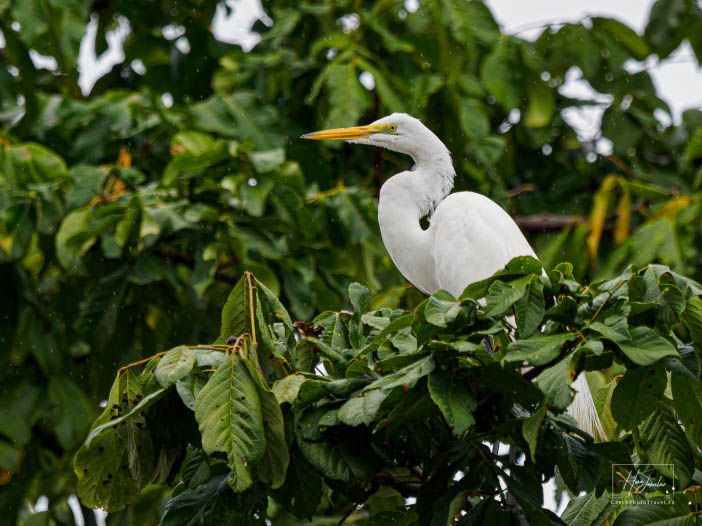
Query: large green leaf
[665, 444]
[538, 350]
[454, 399]
[647, 346]
[501, 73]
[73, 411]
[636, 393]
[666, 513]
[555, 383]
[229, 413]
[116, 460]
[470, 21]
[302, 491]
[502, 296]
[335, 460]
[347, 97]
[274, 464]
[238, 310]
[530, 309]
[692, 316]
[531, 427]
[687, 397]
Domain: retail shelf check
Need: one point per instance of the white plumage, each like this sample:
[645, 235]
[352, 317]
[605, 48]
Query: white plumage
[469, 237]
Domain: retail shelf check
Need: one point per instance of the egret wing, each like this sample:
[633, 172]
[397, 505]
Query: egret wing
[473, 238]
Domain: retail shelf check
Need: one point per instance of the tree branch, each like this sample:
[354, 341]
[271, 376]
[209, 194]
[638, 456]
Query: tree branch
[545, 222]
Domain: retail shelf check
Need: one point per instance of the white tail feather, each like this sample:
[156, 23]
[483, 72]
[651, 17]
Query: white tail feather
[582, 408]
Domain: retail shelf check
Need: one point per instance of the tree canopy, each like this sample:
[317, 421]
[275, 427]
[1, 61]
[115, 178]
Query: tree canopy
[173, 206]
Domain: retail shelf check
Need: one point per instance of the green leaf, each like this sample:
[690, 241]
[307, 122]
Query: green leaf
[302, 492]
[578, 464]
[236, 314]
[470, 21]
[273, 305]
[14, 427]
[624, 36]
[541, 104]
[636, 393]
[336, 334]
[348, 99]
[454, 399]
[189, 506]
[232, 116]
[132, 416]
[501, 74]
[360, 297]
[584, 510]
[441, 309]
[334, 460]
[603, 404]
[531, 427]
[663, 514]
[530, 309]
[687, 397]
[362, 409]
[70, 255]
[395, 326]
[693, 149]
[174, 365]
[473, 119]
[228, 411]
[274, 464]
[555, 383]
[405, 376]
[501, 296]
[88, 181]
[189, 387]
[489, 150]
[538, 350]
[647, 346]
[268, 160]
[72, 409]
[665, 444]
[116, 460]
[615, 328]
[286, 389]
[518, 266]
[692, 317]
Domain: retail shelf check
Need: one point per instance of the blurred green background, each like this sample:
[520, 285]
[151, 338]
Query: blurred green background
[127, 214]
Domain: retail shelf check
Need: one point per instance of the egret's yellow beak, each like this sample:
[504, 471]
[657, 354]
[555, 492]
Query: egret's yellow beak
[346, 134]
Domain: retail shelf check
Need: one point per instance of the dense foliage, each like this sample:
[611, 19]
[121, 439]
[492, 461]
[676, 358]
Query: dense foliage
[125, 220]
[404, 403]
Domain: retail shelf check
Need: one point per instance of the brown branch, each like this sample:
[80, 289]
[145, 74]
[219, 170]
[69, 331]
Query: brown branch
[549, 221]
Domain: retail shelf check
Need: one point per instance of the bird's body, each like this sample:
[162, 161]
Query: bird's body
[469, 237]
[460, 246]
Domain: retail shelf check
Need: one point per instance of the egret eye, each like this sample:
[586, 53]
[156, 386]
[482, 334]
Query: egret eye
[392, 128]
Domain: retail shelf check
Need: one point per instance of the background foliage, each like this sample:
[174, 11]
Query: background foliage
[125, 222]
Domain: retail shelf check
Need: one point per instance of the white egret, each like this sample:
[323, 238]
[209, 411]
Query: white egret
[469, 237]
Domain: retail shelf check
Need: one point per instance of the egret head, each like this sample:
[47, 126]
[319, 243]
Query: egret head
[399, 132]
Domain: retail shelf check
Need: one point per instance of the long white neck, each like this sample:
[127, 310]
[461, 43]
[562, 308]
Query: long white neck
[406, 198]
